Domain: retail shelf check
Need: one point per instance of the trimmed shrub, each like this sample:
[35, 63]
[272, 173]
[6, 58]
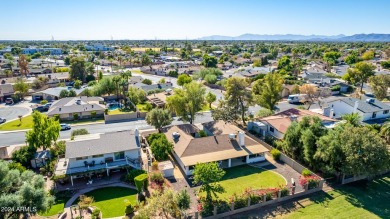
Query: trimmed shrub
[79, 132]
[129, 208]
[106, 111]
[275, 154]
[202, 133]
[96, 213]
[93, 114]
[57, 117]
[75, 116]
[157, 178]
[43, 102]
[132, 174]
[140, 182]
[155, 165]
[306, 172]
[284, 192]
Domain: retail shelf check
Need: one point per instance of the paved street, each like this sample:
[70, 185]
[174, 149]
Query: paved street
[13, 138]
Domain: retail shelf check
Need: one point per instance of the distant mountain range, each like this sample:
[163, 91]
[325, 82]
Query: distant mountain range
[373, 37]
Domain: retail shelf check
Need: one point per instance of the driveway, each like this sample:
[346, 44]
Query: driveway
[12, 112]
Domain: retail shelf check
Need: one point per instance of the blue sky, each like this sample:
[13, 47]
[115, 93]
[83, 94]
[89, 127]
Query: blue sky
[174, 19]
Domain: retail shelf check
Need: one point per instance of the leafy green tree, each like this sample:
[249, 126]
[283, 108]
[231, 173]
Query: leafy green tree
[379, 85]
[237, 96]
[385, 131]
[209, 61]
[330, 58]
[263, 112]
[21, 87]
[352, 118]
[77, 69]
[208, 71]
[145, 60]
[147, 81]
[183, 201]
[353, 151]
[72, 93]
[211, 79]
[270, 91]
[77, 84]
[161, 148]
[285, 63]
[158, 118]
[67, 60]
[187, 101]
[210, 98]
[360, 73]
[183, 79]
[44, 132]
[209, 174]
[368, 55]
[64, 93]
[23, 191]
[352, 58]
[225, 112]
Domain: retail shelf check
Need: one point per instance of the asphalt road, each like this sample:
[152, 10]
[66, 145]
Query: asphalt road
[15, 138]
[12, 112]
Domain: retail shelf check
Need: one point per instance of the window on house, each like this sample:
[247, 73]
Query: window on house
[271, 129]
[374, 115]
[98, 155]
[386, 112]
[256, 155]
[119, 155]
[81, 158]
[191, 167]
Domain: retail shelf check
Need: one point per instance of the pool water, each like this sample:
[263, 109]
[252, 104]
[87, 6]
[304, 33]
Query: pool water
[114, 106]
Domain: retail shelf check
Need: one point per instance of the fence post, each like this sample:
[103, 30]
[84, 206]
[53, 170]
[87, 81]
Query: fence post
[232, 206]
[265, 198]
[321, 184]
[279, 193]
[196, 215]
[215, 210]
[249, 202]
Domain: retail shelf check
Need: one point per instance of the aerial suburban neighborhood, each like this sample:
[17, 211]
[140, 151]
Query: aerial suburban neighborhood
[99, 121]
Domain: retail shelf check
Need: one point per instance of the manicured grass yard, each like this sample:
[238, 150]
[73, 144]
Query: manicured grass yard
[119, 111]
[55, 209]
[111, 200]
[350, 201]
[142, 107]
[16, 125]
[238, 178]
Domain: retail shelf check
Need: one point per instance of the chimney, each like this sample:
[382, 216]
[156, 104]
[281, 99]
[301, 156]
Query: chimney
[241, 139]
[356, 106]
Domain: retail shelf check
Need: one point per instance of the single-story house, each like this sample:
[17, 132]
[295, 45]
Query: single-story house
[368, 109]
[277, 125]
[41, 71]
[225, 144]
[153, 87]
[100, 153]
[6, 91]
[53, 93]
[83, 106]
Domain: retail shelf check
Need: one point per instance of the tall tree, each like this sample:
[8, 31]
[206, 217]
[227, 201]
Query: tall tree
[183, 79]
[209, 61]
[187, 101]
[159, 118]
[44, 132]
[379, 85]
[23, 65]
[352, 118]
[360, 73]
[209, 174]
[270, 90]
[330, 58]
[77, 69]
[23, 192]
[21, 86]
[210, 98]
[237, 96]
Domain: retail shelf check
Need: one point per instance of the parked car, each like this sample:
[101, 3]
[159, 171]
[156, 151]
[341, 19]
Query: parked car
[41, 109]
[297, 98]
[65, 126]
[2, 120]
[9, 101]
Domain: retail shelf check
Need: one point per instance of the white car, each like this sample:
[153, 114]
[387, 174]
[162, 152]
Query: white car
[65, 126]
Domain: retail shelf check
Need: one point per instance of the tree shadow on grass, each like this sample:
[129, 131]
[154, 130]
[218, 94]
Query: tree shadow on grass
[372, 196]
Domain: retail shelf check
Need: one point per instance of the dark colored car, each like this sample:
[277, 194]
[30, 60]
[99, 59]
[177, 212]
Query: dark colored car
[2, 120]
[9, 101]
[41, 109]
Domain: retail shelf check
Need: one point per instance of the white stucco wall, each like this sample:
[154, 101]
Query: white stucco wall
[80, 163]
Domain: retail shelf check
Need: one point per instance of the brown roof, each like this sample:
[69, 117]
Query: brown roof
[193, 150]
[6, 89]
[281, 121]
[220, 127]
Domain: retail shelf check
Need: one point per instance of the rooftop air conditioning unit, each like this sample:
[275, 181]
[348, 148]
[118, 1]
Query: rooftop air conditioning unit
[232, 136]
[175, 135]
[370, 100]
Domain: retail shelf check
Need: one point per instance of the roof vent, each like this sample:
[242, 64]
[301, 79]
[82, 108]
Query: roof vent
[78, 102]
[232, 136]
[370, 100]
[293, 117]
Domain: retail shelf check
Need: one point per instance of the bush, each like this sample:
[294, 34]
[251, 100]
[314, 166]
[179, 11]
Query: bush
[275, 154]
[129, 208]
[90, 78]
[57, 117]
[173, 74]
[239, 201]
[79, 132]
[157, 178]
[160, 146]
[284, 192]
[306, 172]
[132, 174]
[93, 114]
[155, 165]
[43, 102]
[222, 206]
[75, 116]
[141, 182]
[106, 111]
[96, 213]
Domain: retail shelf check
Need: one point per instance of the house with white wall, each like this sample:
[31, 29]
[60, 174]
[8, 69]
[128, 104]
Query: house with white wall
[368, 109]
[276, 125]
[100, 153]
[226, 144]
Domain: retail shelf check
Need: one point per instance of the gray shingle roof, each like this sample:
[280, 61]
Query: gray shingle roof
[366, 107]
[55, 91]
[89, 145]
[69, 105]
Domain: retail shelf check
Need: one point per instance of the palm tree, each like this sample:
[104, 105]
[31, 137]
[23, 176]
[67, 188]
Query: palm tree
[353, 119]
[385, 131]
[116, 79]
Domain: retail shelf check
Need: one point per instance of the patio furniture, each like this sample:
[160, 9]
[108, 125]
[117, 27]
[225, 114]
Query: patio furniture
[93, 163]
[86, 163]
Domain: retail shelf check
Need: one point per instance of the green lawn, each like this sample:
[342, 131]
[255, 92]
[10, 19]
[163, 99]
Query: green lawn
[111, 200]
[238, 178]
[205, 107]
[350, 201]
[16, 125]
[58, 207]
[119, 111]
[142, 107]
